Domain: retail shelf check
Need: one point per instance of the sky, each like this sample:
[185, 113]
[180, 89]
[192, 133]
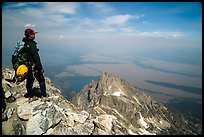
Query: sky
[63, 20]
[169, 31]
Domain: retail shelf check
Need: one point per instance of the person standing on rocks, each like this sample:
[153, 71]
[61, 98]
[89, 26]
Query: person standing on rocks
[35, 69]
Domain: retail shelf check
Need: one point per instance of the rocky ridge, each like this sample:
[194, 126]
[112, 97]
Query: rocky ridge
[108, 107]
[135, 111]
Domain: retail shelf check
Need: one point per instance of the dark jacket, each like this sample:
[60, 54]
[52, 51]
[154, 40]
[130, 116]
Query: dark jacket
[32, 53]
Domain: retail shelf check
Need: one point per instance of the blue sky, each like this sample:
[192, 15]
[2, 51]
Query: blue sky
[155, 19]
[170, 31]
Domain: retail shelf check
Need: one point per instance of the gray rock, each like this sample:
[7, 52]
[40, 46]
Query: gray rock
[4, 117]
[108, 107]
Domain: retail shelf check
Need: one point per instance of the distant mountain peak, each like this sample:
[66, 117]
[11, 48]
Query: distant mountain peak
[137, 112]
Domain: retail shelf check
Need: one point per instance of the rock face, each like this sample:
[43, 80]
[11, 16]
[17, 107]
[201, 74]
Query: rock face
[134, 111]
[108, 107]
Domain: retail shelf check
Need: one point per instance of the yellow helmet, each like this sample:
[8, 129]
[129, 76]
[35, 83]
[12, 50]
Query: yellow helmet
[22, 70]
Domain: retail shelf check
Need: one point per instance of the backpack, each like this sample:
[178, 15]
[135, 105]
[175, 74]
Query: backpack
[19, 56]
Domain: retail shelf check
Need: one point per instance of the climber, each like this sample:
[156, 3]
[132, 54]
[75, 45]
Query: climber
[34, 66]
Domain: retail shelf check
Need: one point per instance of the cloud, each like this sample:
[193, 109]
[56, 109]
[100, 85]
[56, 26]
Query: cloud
[61, 36]
[88, 22]
[55, 19]
[42, 14]
[54, 7]
[165, 34]
[21, 4]
[118, 19]
[106, 25]
[128, 29]
[17, 5]
[61, 7]
[29, 25]
[32, 13]
[101, 6]
[106, 30]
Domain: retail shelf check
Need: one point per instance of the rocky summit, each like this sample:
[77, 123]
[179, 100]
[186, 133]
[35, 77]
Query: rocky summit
[108, 107]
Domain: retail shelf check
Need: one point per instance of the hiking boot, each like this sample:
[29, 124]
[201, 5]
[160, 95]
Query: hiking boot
[28, 95]
[44, 95]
